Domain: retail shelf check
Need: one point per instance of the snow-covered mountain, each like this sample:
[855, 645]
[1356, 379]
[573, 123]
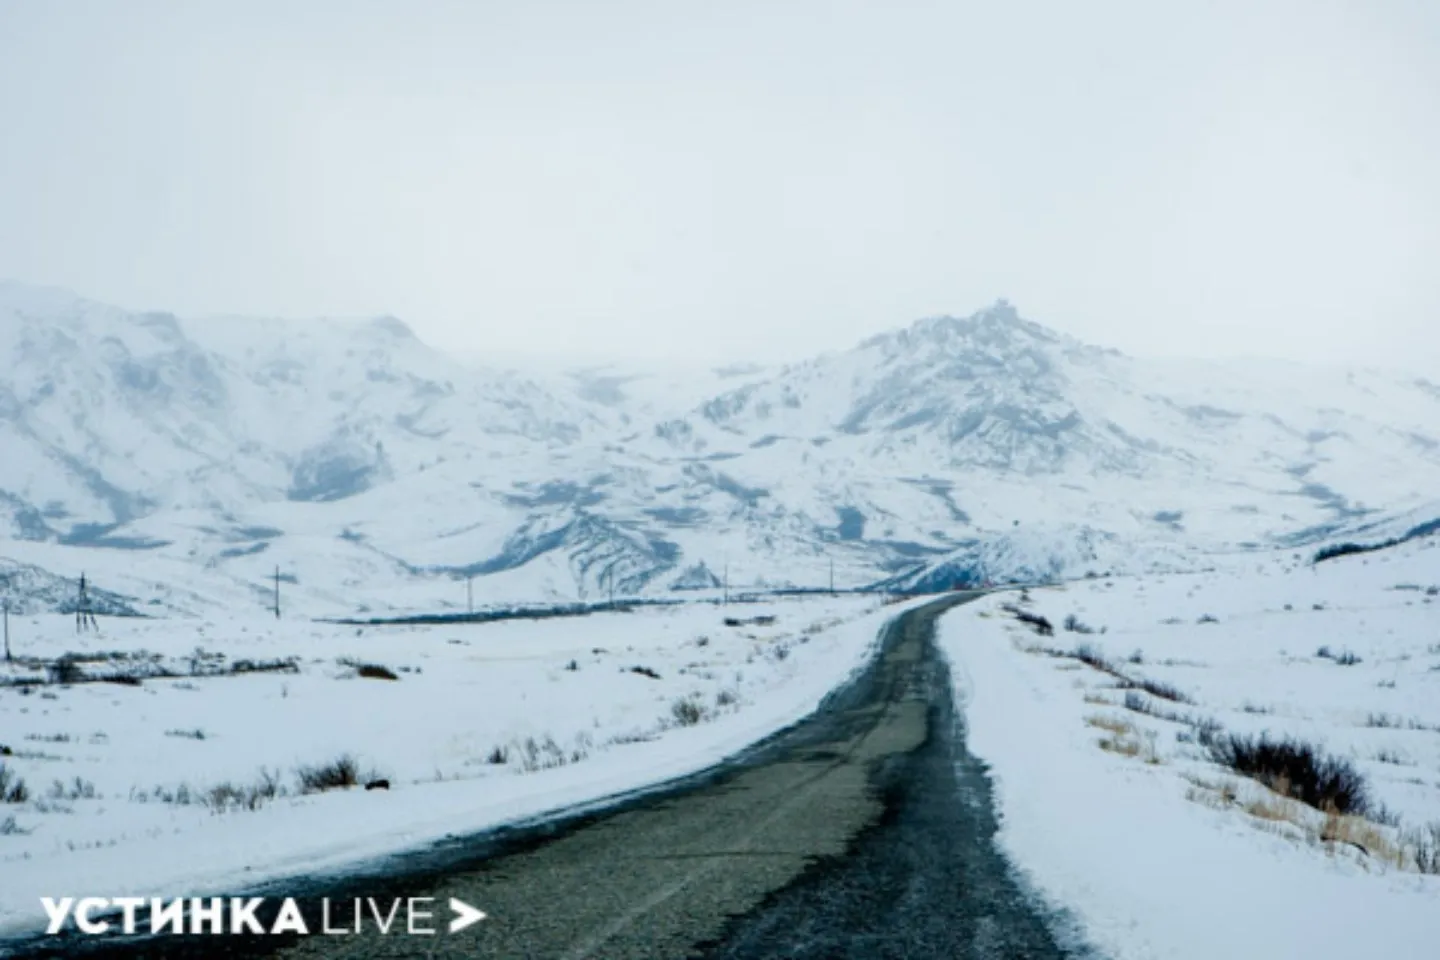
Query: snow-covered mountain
[184, 461]
[109, 417]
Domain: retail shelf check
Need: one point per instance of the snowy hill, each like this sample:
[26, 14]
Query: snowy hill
[182, 462]
[27, 589]
[109, 416]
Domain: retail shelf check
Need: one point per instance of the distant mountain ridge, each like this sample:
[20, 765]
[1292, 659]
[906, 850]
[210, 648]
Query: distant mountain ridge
[182, 461]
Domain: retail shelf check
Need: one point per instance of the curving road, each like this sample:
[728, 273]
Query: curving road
[865, 831]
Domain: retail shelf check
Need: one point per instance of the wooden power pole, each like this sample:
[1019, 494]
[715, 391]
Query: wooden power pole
[277, 591]
[470, 594]
[832, 576]
[82, 606]
[8, 658]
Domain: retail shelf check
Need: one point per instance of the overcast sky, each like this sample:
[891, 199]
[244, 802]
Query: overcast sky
[740, 180]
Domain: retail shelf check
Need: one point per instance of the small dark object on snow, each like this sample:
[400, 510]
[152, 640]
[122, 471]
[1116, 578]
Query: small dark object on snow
[1036, 622]
[378, 785]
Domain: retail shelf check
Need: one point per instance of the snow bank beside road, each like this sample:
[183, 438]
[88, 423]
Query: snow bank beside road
[1125, 844]
[462, 692]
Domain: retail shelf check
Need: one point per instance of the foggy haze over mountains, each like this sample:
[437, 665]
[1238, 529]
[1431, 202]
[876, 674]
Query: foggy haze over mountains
[745, 183]
[187, 460]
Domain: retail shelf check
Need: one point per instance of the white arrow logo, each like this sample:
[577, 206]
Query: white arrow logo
[465, 915]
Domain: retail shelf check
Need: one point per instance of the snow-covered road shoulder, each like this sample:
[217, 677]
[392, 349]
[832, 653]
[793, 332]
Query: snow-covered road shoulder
[143, 789]
[1120, 816]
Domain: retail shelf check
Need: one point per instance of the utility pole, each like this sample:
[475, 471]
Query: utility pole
[832, 576]
[725, 596]
[277, 591]
[470, 594]
[83, 617]
[610, 576]
[8, 658]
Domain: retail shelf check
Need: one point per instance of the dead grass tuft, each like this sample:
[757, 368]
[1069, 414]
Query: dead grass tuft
[1124, 746]
[1358, 832]
[1118, 726]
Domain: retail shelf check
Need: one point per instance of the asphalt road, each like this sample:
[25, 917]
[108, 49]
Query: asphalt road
[863, 832]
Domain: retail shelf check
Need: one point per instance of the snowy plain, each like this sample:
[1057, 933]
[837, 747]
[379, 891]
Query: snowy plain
[1165, 854]
[560, 699]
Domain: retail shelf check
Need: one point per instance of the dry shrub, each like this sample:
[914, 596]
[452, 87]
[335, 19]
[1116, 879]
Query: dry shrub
[1208, 798]
[1423, 847]
[1296, 769]
[1357, 832]
[12, 786]
[688, 711]
[1119, 726]
[343, 771]
[1124, 746]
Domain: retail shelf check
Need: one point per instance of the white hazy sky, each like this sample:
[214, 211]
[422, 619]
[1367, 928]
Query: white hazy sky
[740, 179]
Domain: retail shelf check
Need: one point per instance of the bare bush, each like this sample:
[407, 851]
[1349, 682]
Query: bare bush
[343, 771]
[1344, 658]
[286, 665]
[688, 711]
[1094, 657]
[541, 754]
[66, 671]
[1157, 689]
[1034, 621]
[1424, 847]
[1134, 701]
[1293, 768]
[370, 671]
[226, 797]
[77, 789]
[12, 786]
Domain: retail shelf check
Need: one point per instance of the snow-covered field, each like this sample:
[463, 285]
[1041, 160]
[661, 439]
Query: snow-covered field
[484, 724]
[1158, 851]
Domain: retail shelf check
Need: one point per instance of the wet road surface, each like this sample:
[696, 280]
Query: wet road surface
[865, 831]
